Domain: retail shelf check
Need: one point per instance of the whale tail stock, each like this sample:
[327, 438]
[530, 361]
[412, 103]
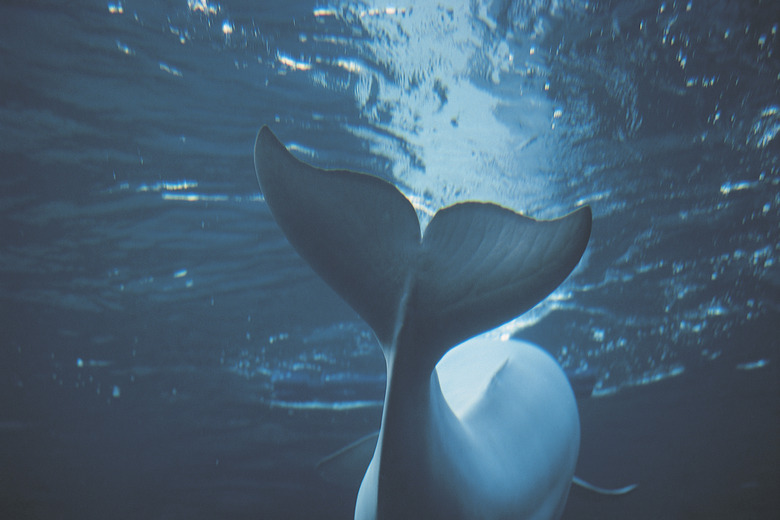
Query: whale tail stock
[477, 266]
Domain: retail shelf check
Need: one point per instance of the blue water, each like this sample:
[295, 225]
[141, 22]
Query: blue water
[152, 312]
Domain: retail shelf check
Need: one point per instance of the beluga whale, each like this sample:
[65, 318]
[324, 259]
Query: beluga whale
[472, 428]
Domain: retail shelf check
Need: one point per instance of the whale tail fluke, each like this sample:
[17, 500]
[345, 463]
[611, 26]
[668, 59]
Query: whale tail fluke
[478, 266]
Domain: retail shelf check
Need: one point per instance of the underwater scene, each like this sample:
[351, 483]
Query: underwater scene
[167, 354]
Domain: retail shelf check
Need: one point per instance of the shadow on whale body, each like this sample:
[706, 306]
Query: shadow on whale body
[493, 430]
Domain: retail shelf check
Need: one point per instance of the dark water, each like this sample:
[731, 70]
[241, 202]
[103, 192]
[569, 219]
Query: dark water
[151, 310]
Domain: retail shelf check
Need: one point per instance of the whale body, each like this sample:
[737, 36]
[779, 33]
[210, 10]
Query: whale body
[492, 432]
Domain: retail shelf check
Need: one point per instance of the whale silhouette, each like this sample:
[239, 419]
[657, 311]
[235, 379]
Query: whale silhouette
[503, 441]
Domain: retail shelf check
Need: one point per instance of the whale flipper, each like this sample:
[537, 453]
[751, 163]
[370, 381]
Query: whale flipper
[346, 467]
[603, 491]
